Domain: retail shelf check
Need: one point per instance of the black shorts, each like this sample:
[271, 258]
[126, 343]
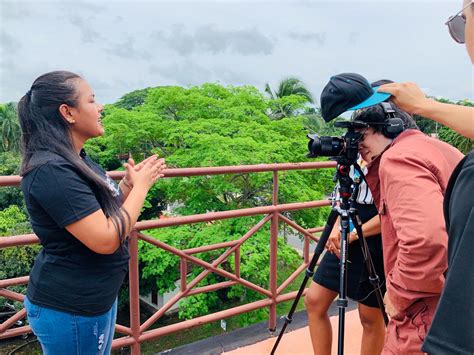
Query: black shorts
[359, 287]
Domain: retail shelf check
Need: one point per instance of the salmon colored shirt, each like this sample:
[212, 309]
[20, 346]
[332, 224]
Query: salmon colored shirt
[408, 181]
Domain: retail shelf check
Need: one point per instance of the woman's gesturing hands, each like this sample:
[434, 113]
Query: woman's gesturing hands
[146, 173]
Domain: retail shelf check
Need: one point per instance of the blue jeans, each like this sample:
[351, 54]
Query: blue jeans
[65, 333]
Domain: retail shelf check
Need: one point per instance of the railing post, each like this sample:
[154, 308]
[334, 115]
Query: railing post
[275, 188]
[237, 262]
[273, 256]
[183, 272]
[134, 292]
[306, 249]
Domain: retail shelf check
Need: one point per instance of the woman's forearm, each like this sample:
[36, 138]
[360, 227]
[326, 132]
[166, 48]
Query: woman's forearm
[371, 227]
[133, 205]
[125, 189]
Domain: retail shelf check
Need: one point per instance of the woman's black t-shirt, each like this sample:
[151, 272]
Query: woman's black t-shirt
[67, 275]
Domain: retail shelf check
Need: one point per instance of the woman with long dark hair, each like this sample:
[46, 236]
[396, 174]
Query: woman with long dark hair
[80, 215]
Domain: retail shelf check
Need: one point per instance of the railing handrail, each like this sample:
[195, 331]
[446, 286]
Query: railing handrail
[14, 180]
[25, 239]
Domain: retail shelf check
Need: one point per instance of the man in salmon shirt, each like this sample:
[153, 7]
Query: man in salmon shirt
[407, 173]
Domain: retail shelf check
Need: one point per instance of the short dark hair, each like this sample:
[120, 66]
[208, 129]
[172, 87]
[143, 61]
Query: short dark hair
[376, 114]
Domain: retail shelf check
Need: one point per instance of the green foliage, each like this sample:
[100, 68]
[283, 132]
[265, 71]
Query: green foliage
[217, 126]
[288, 87]
[446, 134]
[289, 100]
[212, 125]
[102, 153]
[314, 123]
[10, 128]
[465, 145]
[286, 106]
[206, 101]
[15, 261]
[10, 165]
[132, 99]
[11, 220]
[426, 125]
[229, 142]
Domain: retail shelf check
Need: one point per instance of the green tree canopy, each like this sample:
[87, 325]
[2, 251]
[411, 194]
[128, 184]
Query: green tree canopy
[10, 127]
[444, 133]
[213, 125]
[15, 261]
[132, 99]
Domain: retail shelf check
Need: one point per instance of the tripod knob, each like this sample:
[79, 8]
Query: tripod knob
[342, 302]
[344, 169]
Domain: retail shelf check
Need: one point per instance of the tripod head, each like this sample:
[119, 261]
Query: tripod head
[347, 185]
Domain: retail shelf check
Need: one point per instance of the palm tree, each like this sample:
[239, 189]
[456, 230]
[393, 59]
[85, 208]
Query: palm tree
[287, 87]
[10, 128]
[290, 86]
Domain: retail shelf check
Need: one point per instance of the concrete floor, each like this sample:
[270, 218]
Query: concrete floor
[298, 342]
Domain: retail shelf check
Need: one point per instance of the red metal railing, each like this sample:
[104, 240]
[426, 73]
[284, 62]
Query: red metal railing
[138, 333]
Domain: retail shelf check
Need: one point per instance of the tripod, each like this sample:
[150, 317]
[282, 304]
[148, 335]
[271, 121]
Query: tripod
[345, 211]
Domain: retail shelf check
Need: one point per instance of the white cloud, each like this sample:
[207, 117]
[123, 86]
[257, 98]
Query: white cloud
[121, 46]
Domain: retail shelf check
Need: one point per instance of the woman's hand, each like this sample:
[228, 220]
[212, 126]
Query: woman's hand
[128, 180]
[333, 244]
[146, 173]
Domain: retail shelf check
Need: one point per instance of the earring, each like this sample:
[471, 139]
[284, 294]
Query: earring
[72, 121]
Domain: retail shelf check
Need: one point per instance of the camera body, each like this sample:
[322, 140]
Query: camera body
[344, 149]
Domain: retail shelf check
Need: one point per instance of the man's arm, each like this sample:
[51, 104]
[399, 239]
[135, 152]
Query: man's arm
[414, 202]
[410, 98]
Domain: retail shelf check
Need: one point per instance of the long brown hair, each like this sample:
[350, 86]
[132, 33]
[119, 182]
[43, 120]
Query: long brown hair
[44, 129]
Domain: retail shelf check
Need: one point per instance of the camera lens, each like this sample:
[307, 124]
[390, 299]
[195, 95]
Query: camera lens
[324, 146]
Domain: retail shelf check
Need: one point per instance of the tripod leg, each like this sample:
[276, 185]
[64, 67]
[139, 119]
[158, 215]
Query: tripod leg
[369, 264]
[309, 272]
[342, 300]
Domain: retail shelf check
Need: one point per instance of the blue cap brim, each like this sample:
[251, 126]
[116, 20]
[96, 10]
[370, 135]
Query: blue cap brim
[376, 98]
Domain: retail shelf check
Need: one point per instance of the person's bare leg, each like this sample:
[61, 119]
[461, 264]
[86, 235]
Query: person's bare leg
[317, 302]
[373, 333]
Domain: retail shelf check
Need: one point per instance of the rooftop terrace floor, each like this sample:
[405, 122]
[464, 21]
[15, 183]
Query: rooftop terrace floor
[256, 340]
[299, 341]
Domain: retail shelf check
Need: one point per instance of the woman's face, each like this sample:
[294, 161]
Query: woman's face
[86, 114]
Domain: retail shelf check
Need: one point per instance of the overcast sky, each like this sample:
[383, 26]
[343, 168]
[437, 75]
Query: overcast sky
[121, 46]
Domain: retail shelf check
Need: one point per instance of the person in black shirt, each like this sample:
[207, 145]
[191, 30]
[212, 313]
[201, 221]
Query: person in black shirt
[80, 215]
